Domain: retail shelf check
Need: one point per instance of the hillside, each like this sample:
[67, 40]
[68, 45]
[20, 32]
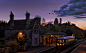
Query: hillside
[74, 29]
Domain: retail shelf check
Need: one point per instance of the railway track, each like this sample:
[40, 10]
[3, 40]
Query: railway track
[69, 49]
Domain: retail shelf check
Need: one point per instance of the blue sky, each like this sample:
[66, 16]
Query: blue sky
[43, 8]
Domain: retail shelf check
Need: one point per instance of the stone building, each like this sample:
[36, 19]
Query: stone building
[28, 27]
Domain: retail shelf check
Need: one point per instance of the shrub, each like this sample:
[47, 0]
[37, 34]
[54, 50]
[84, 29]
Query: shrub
[13, 45]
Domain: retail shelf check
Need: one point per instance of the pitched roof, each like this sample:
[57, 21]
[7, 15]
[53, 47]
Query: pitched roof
[21, 24]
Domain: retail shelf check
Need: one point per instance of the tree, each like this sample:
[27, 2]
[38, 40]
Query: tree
[56, 29]
[2, 27]
[68, 32]
[43, 20]
[13, 46]
[21, 38]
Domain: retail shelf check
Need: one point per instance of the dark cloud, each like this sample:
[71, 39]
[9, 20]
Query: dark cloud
[79, 17]
[74, 7]
[64, 6]
[49, 13]
[73, 1]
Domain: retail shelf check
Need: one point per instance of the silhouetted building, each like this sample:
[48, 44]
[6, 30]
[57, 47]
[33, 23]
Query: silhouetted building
[56, 22]
[60, 20]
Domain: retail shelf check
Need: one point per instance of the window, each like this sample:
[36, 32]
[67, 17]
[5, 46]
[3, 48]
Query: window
[35, 41]
[36, 29]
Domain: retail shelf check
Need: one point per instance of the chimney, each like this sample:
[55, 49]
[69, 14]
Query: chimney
[11, 20]
[27, 20]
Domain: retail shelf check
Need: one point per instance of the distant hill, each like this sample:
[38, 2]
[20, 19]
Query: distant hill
[73, 28]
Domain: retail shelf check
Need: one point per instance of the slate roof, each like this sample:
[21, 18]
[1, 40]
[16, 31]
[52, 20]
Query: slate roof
[21, 24]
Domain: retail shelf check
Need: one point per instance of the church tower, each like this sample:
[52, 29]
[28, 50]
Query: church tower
[56, 22]
[27, 20]
[11, 20]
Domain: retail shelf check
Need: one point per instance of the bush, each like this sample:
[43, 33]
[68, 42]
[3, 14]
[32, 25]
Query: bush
[13, 45]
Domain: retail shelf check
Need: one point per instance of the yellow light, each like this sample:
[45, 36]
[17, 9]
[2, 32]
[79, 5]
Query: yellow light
[51, 35]
[63, 44]
[57, 44]
[20, 33]
[60, 44]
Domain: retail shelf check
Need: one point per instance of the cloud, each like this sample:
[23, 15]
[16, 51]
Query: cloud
[73, 7]
[79, 17]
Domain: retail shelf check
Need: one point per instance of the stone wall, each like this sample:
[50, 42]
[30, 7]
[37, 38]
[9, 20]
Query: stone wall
[33, 39]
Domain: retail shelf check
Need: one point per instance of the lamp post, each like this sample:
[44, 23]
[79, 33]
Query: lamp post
[49, 40]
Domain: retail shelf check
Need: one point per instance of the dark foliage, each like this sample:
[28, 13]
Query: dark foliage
[2, 27]
[68, 32]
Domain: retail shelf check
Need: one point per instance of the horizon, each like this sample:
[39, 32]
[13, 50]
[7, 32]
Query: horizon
[49, 10]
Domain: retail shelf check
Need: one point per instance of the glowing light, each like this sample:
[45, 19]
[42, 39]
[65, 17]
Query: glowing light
[57, 44]
[63, 44]
[72, 34]
[20, 33]
[51, 35]
[60, 44]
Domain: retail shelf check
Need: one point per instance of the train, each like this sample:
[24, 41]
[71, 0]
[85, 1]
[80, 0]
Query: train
[65, 42]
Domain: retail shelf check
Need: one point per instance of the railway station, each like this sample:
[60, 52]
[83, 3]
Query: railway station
[49, 39]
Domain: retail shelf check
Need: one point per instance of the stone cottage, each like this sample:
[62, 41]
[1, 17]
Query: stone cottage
[29, 27]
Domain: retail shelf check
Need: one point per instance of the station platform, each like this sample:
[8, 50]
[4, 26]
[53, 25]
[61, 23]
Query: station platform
[80, 49]
[36, 49]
